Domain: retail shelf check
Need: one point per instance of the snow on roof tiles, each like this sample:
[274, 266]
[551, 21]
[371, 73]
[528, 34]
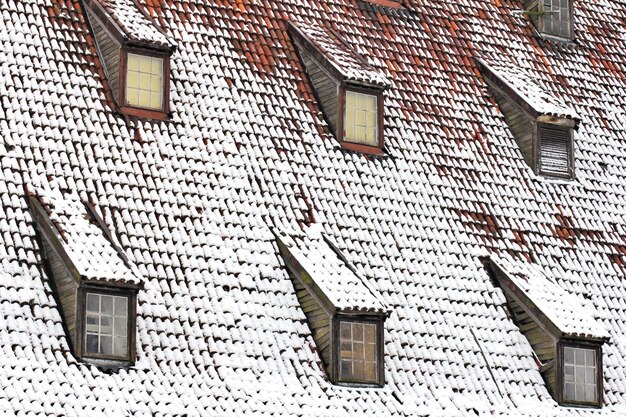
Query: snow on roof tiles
[133, 22]
[84, 241]
[527, 88]
[193, 202]
[347, 291]
[342, 57]
[563, 310]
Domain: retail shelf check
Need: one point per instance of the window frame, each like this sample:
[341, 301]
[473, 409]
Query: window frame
[570, 151]
[144, 112]
[541, 22]
[562, 344]
[354, 146]
[380, 353]
[131, 323]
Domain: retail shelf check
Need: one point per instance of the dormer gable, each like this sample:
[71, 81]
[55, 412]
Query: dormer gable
[542, 124]
[136, 57]
[349, 88]
[345, 314]
[95, 283]
[566, 339]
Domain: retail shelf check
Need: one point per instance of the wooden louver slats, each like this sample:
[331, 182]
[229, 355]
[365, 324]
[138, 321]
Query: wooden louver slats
[554, 153]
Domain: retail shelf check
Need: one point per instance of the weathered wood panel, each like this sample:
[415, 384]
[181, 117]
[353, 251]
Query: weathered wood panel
[66, 287]
[319, 321]
[326, 89]
[520, 124]
[109, 50]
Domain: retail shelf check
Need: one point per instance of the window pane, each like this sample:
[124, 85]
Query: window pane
[92, 343]
[120, 326]
[121, 306]
[120, 348]
[92, 323]
[93, 302]
[133, 62]
[106, 304]
[106, 345]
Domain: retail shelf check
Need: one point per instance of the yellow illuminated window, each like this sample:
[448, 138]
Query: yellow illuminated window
[144, 82]
[361, 118]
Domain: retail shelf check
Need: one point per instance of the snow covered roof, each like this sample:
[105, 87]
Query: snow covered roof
[130, 19]
[563, 314]
[193, 202]
[335, 51]
[345, 290]
[526, 87]
[85, 243]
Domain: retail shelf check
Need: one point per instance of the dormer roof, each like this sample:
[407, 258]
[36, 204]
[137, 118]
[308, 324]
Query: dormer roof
[94, 257]
[561, 313]
[336, 55]
[129, 25]
[333, 280]
[522, 88]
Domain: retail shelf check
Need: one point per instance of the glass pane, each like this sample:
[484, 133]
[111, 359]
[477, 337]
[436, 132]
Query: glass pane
[370, 352]
[133, 62]
[358, 351]
[92, 324]
[121, 306]
[569, 373]
[155, 83]
[346, 350]
[590, 393]
[121, 347]
[580, 393]
[345, 330]
[590, 375]
[357, 331]
[145, 64]
[106, 325]
[92, 343]
[358, 371]
[569, 355]
[93, 303]
[144, 98]
[155, 101]
[590, 357]
[106, 304]
[580, 357]
[106, 345]
[370, 371]
[120, 326]
[569, 391]
[144, 82]
[346, 369]
[579, 375]
[133, 79]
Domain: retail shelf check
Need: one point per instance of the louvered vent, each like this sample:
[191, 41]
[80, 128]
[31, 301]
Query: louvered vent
[554, 153]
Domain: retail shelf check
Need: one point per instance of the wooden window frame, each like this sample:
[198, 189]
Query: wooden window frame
[380, 346]
[561, 372]
[353, 146]
[146, 113]
[570, 150]
[81, 322]
[541, 24]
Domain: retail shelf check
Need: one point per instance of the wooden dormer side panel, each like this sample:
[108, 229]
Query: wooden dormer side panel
[519, 121]
[315, 305]
[325, 86]
[65, 276]
[109, 49]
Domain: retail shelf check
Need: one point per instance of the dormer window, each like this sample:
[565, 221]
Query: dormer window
[542, 125]
[348, 88]
[136, 60]
[566, 339]
[552, 17]
[144, 81]
[361, 117]
[346, 316]
[95, 282]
